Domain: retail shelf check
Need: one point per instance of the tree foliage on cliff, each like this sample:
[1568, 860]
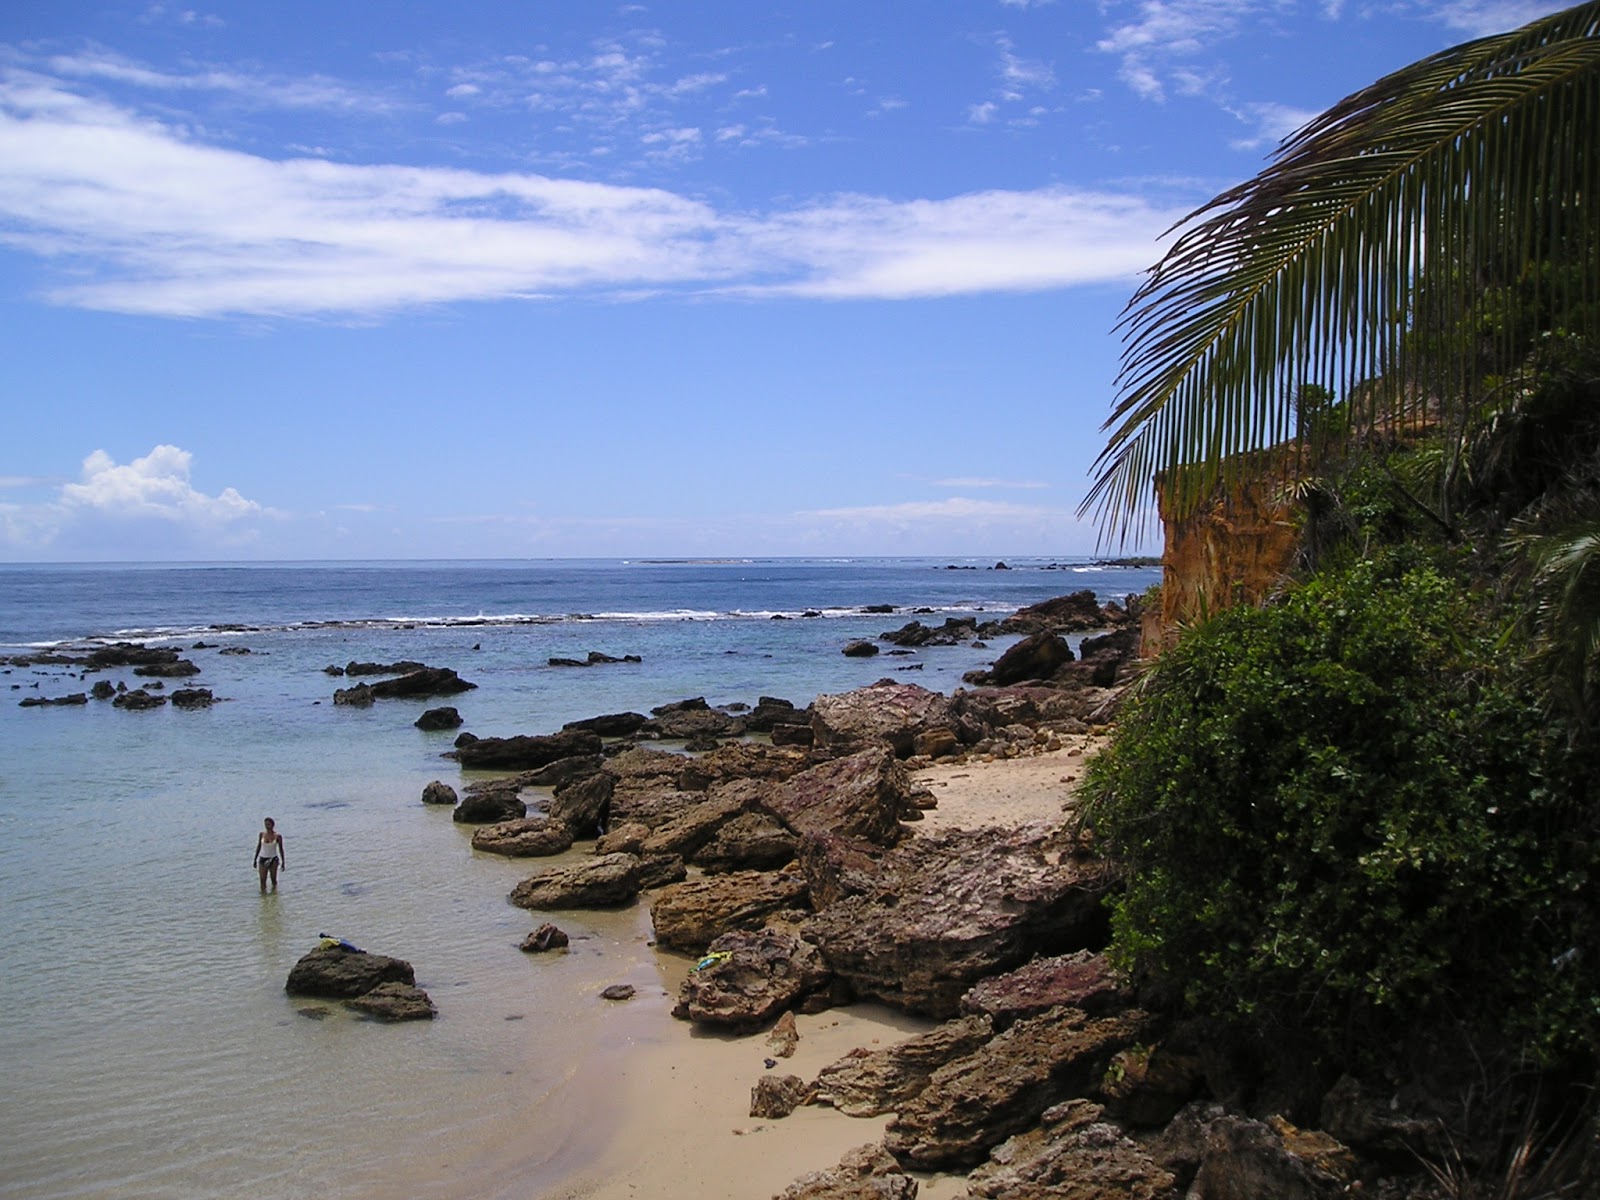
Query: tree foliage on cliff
[1343, 817]
[1348, 262]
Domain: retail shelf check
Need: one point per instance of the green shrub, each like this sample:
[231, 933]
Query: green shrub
[1344, 816]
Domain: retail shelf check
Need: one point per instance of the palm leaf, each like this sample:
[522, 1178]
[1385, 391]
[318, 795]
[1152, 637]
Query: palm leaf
[1483, 156]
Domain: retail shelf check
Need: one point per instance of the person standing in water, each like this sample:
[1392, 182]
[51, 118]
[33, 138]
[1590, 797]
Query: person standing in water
[269, 855]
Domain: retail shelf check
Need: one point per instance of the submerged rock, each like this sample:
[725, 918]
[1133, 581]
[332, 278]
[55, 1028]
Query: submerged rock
[340, 973]
[394, 1002]
[527, 837]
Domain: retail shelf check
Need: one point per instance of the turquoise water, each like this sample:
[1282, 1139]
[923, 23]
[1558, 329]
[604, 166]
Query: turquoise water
[148, 1046]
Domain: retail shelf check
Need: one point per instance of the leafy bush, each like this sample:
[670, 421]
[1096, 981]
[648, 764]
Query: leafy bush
[1344, 816]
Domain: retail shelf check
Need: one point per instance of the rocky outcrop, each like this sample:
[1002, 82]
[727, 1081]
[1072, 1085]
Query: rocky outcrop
[686, 833]
[489, 808]
[1078, 612]
[887, 712]
[178, 669]
[603, 882]
[403, 667]
[953, 632]
[747, 978]
[691, 915]
[529, 837]
[749, 842]
[1228, 1155]
[583, 804]
[974, 1103]
[435, 719]
[71, 700]
[776, 1096]
[624, 724]
[923, 924]
[865, 1173]
[526, 752]
[544, 939]
[137, 699]
[1084, 980]
[1038, 656]
[338, 972]
[128, 654]
[861, 797]
[192, 698]
[394, 1002]
[860, 648]
[1074, 1154]
[428, 681]
[866, 1083]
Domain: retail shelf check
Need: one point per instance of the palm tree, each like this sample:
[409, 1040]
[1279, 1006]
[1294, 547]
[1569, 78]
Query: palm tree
[1358, 262]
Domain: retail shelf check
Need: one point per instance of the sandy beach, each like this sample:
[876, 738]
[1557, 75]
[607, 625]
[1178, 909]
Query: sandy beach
[683, 1127]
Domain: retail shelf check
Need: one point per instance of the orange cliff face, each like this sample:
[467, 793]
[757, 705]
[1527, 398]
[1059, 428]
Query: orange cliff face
[1233, 549]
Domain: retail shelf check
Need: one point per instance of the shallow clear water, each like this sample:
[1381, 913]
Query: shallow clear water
[148, 1047]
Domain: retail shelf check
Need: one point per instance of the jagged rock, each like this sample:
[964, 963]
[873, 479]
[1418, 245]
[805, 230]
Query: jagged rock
[932, 917]
[626, 838]
[936, 743]
[359, 696]
[624, 724]
[865, 1173]
[1084, 980]
[861, 796]
[1038, 656]
[784, 1037]
[435, 719]
[749, 842]
[102, 690]
[339, 973]
[618, 991]
[747, 978]
[866, 1083]
[693, 720]
[1074, 613]
[860, 648]
[428, 681]
[394, 1002]
[561, 771]
[885, 712]
[1146, 1085]
[127, 654]
[193, 698]
[836, 867]
[691, 915]
[583, 805]
[545, 938]
[688, 832]
[776, 1096]
[740, 762]
[793, 735]
[138, 699]
[403, 667]
[179, 669]
[974, 1103]
[526, 751]
[660, 870]
[489, 808]
[604, 882]
[529, 837]
[75, 698]
[770, 711]
[1234, 1156]
[439, 792]
[1101, 660]
[1073, 1155]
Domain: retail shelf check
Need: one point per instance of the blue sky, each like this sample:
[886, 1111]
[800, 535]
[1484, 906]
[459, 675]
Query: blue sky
[382, 280]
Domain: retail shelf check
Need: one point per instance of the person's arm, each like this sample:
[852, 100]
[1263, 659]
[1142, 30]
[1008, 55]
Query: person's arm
[283, 859]
[256, 861]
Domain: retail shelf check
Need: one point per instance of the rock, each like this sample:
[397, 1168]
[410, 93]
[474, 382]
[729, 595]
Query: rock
[974, 1103]
[793, 735]
[659, 870]
[562, 770]
[784, 1037]
[747, 978]
[180, 669]
[936, 743]
[886, 712]
[860, 648]
[605, 882]
[429, 681]
[686, 833]
[693, 720]
[438, 718]
[749, 842]
[861, 797]
[193, 698]
[129, 654]
[618, 991]
[404, 667]
[770, 711]
[624, 724]
[545, 938]
[691, 915]
[740, 762]
[867, 1083]
[583, 805]
[1073, 1155]
[394, 1002]
[1074, 613]
[953, 632]
[527, 751]
[920, 926]
[1038, 656]
[776, 1096]
[439, 792]
[1367, 1124]
[1243, 1157]
[339, 973]
[359, 696]
[626, 838]
[1084, 980]
[489, 808]
[138, 699]
[75, 698]
[1147, 1085]
[102, 690]
[865, 1173]
[528, 837]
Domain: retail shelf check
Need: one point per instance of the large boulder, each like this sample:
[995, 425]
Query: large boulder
[919, 926]
[604, 882]
[394, 1002]
[436, 719]
[439, 792]
[865, 1173]
[974, 1103]
[427, 681]
[749, 842]
[1075, 613]
[583, 804]
[1229, 1156]
[691, 915]
[489, 808]
[867, 1083]
[861, 796]
[530, 837]
[686, 833]
[746, 979]
[339, 972]
[1074, 1154]
[526, 751]
[1038, 656]
[1084, 980]
[886, 712]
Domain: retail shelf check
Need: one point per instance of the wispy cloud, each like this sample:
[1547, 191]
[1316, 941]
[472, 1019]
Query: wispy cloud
[267, 91]
[1270, 124]
[1018, 81]
[142, 217]
[1158, 45]
[972, 482]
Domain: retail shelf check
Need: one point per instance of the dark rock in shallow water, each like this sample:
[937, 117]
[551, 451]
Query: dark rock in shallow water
[405, 667]
[394, 1002]
[129, 654]
[102, 690]
[529, 837]
[52, 701]
[623, 724]
[606, 882]
[860, 648]
[526, 752]
[439, 718]
[193, 698]
[545, 938]
[137, 699]
[438, 792]
[1038, 656]
[339, 973]
[168, 670]
[429, 681]
[618, 991]
[490, 808]
[583, 804]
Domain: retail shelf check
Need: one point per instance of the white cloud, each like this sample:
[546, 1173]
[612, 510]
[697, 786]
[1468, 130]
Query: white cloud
[156, 485]
[1479, 18]
[1272, 123]
[140, 217]
[276, 92]
[972, 482]
[1168, 31]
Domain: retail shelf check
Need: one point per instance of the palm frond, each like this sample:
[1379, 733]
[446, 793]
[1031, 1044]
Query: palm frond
[1483, 157]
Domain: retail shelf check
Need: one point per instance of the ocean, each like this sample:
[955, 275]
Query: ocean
[147, 1044]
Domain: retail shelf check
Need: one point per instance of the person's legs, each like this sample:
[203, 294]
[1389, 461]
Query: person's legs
[272, 870]
[264, 866]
